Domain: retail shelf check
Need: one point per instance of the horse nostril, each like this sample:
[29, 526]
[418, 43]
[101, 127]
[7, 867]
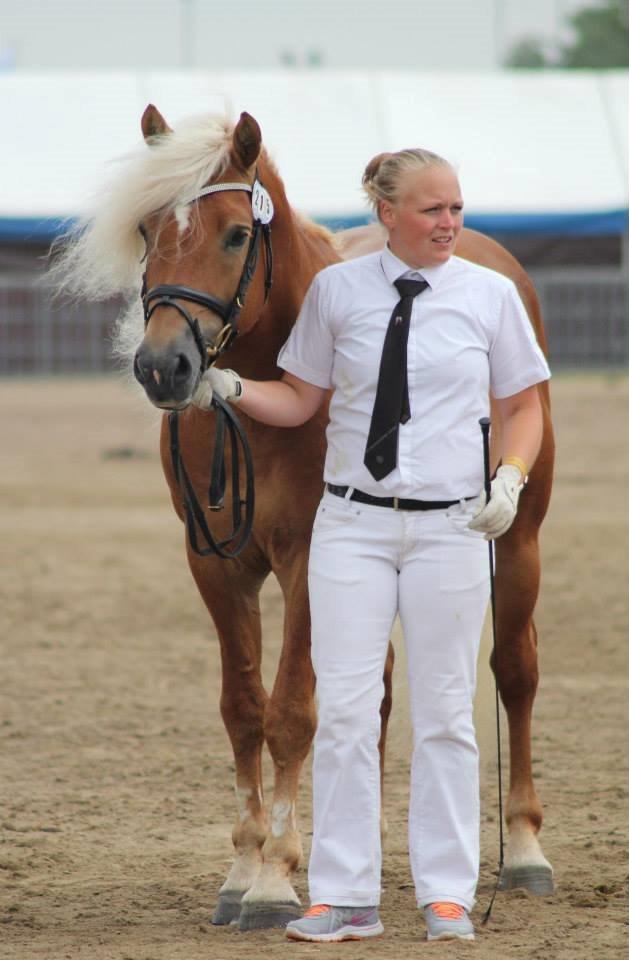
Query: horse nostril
[182, 370]
[139, 372]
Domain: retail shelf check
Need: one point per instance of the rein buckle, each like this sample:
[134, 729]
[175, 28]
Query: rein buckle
[221, 342]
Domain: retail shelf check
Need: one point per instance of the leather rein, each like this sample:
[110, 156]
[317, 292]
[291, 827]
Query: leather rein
[227, 424]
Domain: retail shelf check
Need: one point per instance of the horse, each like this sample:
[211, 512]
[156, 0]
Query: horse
[185, 211]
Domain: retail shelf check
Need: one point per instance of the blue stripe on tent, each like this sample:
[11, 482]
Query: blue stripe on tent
[602, 223]
[33, 229]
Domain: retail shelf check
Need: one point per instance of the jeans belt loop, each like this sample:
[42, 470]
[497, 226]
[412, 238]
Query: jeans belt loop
[349, 492]
[395, 503]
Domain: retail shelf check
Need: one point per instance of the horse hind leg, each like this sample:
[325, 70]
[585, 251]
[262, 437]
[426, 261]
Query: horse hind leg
[517, 582]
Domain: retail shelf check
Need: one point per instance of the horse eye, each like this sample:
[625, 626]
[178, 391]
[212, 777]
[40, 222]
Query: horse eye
[236, 238]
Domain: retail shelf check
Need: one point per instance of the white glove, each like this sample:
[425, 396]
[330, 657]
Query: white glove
[225, 383]
[496, 517]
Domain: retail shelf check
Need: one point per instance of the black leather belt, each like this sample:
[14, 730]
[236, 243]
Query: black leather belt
[397, 503]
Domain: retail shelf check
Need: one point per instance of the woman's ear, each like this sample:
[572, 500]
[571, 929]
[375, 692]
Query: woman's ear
[386, 212]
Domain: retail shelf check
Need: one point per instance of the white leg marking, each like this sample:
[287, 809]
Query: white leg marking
[243, 796]
[271, 886]
[282, 815]
[523, 849]
[244, 872]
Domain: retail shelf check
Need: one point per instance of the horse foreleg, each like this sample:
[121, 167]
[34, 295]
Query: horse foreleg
[515, 665]
[234, 606]
[289, 724]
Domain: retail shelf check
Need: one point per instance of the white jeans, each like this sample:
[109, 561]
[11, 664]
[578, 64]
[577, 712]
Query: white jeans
[367, 563]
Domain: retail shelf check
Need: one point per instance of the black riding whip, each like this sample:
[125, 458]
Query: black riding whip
[485, 424]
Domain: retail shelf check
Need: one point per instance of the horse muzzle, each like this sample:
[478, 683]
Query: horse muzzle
[169, 375]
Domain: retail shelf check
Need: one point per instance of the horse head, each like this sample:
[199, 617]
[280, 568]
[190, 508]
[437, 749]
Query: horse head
[201, 256]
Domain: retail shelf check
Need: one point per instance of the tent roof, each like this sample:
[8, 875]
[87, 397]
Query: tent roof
[535, 150]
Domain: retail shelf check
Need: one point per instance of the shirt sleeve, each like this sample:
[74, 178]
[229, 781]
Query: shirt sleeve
[515, 358]
[309, 351]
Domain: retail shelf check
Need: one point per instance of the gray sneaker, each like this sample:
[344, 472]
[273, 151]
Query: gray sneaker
[447, 921]
[324, 923]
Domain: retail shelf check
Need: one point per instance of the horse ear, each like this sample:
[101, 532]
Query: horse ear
[246, 141]
[153, 123]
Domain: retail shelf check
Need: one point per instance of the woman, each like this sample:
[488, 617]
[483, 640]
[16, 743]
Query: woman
[400, 530]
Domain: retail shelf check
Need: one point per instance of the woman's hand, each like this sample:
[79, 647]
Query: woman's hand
[494, 518]
[226, 383]
[521, 429]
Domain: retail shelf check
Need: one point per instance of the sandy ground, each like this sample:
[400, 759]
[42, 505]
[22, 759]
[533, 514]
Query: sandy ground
[116, 789]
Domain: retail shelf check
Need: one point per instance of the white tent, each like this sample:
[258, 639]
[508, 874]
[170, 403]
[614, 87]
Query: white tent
[531, 147]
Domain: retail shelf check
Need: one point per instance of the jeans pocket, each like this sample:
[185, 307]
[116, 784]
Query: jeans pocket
[334, 512]
[459, 516]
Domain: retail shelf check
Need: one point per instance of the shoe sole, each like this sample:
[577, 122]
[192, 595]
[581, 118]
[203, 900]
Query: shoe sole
[450, 936]
[345, 933]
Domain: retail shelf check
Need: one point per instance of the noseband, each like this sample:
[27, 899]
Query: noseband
[227, 424]
[169, 295]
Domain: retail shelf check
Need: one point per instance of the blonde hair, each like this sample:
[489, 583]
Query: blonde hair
[382, 176]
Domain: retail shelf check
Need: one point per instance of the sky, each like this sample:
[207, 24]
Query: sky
[445, 35]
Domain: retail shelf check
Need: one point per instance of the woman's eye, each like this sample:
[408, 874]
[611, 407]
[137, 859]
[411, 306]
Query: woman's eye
[236, 237]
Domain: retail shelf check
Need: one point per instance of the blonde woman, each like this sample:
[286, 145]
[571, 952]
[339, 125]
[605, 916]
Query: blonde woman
[401, 529]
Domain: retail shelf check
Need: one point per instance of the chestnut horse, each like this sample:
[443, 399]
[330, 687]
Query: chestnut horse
[195, 242]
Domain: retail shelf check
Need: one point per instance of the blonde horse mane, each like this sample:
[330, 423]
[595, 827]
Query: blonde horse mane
[101, 257]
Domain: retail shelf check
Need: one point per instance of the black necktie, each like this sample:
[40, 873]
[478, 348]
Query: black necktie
[392, 406]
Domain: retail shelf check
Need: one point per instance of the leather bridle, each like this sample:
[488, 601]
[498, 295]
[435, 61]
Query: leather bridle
[227, 425]
[169, 295]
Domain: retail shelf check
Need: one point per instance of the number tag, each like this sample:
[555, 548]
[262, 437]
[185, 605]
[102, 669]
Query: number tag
[261, 203]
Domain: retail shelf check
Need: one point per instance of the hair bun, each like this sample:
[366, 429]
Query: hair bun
[373, 166]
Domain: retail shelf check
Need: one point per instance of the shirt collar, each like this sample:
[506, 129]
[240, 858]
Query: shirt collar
[394, 268]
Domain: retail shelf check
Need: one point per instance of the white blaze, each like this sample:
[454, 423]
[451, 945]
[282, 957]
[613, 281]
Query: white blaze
[182, 216]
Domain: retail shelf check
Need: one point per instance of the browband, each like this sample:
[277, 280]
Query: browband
[220, 187]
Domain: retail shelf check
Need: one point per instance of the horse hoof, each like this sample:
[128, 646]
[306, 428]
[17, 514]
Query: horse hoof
[536, 879]
[228, 908]
[259, 916]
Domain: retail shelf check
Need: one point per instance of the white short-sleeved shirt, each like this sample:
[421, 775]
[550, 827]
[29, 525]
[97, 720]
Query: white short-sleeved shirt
[469, 334]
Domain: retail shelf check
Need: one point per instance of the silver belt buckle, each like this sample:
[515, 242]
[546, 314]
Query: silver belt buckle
[395, 503]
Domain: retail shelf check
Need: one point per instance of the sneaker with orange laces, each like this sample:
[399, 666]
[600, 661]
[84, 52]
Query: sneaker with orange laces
[447, 921]
[324, 923]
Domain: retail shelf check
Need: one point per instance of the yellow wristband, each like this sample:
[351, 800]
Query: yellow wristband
[517, 462]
